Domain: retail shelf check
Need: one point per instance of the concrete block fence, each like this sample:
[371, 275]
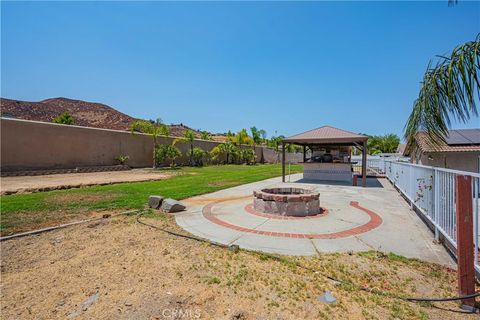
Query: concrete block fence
[33, 145]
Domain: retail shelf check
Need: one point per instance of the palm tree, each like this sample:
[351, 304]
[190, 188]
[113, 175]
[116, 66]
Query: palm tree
[257, 137]
[390, 143]
[226, 149]
[189, 137]
[275, 142]
[154, 128]
[448, 91]
[242, 138]
[383, 144]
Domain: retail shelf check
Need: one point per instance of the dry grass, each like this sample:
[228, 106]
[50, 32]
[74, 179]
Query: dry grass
[140, 272]
[86, 197]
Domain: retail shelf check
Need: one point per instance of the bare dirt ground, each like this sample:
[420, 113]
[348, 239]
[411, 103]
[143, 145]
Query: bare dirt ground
[24, 184]
[119, 269]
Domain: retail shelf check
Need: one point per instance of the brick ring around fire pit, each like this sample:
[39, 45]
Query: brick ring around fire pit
[287, 201]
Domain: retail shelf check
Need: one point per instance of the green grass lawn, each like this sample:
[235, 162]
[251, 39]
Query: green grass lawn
[22, 212]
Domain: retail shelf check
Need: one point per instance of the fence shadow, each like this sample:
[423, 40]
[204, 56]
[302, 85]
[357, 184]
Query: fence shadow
[371, 182]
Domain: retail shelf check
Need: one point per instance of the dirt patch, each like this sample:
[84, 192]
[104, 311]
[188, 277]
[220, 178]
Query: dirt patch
[32, 220]
[221, 183]
[122, 270]
[71, 197]
[27, 184]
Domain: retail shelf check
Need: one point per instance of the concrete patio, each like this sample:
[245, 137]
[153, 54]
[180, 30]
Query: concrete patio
[356, 219]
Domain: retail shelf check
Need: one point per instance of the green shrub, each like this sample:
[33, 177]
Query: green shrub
[122, 159]
[167, 152]
[199, 156]
[64, 118]
[247, 156]
[225, 152]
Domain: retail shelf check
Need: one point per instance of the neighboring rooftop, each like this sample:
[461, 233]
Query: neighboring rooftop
[326, 134]
[463, 137]
[460, 140]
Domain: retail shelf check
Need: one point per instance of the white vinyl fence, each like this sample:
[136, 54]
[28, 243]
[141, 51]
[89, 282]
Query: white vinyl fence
[376, 165]
[432, 191]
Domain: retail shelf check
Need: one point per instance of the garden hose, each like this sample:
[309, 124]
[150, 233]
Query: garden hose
[61, 226]
[236, 248]
[186, 236]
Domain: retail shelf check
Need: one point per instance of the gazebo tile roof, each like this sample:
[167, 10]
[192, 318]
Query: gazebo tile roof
[326, 133]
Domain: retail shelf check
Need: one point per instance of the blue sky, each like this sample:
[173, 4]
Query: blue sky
[281, 66]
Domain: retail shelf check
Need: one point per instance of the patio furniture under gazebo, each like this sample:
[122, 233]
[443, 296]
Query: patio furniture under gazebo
[330, 150]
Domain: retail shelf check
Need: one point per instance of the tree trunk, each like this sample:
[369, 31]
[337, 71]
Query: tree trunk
[191, 154]
[154, 149]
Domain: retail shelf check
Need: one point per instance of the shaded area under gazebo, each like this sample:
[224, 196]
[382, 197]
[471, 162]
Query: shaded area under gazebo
[327, 165]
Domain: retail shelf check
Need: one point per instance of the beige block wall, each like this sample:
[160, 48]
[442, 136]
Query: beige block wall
[38, 145]
[271, 156]
[30, 145]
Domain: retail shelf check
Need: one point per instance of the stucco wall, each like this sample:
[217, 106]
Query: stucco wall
[464, 161]
[30, 145]
[38, 145]
[271, 156]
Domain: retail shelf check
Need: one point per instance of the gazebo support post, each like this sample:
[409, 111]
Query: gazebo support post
[364, 164]
[283, 161]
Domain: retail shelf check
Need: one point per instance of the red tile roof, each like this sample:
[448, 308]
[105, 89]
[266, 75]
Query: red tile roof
[326, 134]
[423, 142]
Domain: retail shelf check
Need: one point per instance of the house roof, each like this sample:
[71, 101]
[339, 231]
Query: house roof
[463, 140]
[326, 134]
[463, 137]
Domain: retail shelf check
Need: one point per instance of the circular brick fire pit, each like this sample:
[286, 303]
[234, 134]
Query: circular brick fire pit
[298, 202]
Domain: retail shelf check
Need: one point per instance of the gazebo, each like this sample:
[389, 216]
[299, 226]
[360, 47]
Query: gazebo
[326, 165]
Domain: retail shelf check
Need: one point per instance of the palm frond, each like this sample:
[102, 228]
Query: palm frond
[450, 90]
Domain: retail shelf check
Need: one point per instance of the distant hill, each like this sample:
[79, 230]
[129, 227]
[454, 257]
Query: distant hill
[86, 114]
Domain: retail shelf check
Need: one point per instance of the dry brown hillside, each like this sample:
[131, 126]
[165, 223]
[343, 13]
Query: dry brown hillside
[86, 114]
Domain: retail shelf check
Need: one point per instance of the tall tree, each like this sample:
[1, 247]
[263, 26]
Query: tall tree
[390, 143]
[230, 136]
[275, 142]
[189, 137]
[449, 90]
[242, 138]
[226, 149]
[205, 135]
[257, 138]
[154, 128]
[383, 144]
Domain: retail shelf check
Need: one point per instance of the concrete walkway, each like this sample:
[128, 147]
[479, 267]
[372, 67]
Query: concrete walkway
[358, 219]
